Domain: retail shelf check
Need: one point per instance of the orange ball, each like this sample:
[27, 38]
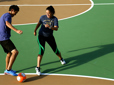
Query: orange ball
[21, 77]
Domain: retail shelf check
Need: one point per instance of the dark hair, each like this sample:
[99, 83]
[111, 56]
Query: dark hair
[15, 7]
[51, 9]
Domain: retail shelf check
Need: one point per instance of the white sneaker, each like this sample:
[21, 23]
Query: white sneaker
[38, 71]
[62, 61]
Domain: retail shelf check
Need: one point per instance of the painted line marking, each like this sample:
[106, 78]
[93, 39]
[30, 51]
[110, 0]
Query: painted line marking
[104, 4]
[92, 4]
[48, 4]
[60, 4]
[69, 75]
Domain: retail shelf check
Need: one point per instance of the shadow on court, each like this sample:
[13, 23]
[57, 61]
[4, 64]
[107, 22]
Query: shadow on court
[78, 60]
[7, 0]
[82, 59]
[33, 78]
[26, 69]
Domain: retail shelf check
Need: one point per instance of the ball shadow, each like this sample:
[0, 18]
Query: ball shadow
[34, 78]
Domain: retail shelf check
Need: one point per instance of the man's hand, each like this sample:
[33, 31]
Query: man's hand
[19, 31]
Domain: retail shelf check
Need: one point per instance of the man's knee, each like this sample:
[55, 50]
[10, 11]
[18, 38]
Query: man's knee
[15, 51]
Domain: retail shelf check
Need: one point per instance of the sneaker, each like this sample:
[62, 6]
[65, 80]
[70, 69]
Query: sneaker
[13, 71]
[6, 72]
[62, 61]
[38, 71]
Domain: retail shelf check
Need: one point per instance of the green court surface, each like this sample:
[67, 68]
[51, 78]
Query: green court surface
[85, 41]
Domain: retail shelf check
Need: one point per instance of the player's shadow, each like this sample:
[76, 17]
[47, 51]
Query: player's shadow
[7, 0]
[26, 69]
[74, 61]
[34, 78]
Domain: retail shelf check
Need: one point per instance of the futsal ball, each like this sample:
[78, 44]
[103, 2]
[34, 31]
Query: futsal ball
[21, 77]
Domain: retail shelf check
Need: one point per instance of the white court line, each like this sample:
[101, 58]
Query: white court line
[77, 76]
[48, 4]
[71, 75]
[104, 4]
[59, 4]
[92, 4]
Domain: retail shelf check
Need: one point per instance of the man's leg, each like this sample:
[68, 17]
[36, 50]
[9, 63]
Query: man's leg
[12, 53]
[9, 62]
[8, 59]
[12, 58]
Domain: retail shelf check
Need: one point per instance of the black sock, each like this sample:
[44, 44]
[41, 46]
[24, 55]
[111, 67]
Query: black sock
[62, 59]
[38, 68]
[8, 70]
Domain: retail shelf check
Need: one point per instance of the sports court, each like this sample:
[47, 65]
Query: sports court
[85, 40]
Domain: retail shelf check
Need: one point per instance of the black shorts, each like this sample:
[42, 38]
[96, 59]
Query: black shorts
[7, 45]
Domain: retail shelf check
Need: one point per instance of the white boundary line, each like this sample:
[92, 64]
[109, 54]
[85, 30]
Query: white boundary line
[77, 76]
[104, 4]
[58, 4]
[70, 75]
[92, 4]
[48, 4]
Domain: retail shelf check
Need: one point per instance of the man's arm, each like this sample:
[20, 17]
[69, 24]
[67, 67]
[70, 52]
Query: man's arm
[13, 28]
